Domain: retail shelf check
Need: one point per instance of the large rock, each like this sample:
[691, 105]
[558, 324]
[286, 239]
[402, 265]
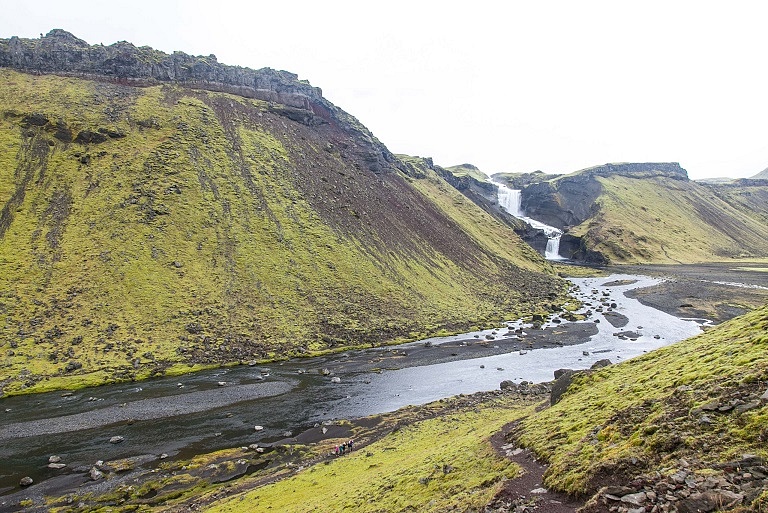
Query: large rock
[560, 386]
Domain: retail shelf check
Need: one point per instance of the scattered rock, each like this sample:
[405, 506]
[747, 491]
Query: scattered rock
[57, 466]
[738, 410]
[116, 439]
[95, 474]
[222, 383]
[26, 481]
[258, 428]
[335, 379]
[54, 459]
[539, 491]
[605, 362]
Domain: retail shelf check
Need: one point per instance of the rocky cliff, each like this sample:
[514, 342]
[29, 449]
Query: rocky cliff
[60, 52]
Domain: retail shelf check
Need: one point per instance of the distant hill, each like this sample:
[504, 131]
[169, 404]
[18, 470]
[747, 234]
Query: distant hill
[762, 175]
[651, 212]
[160, 212]
[468, 170]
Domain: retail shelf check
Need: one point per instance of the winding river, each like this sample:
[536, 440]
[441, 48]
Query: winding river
[215, 409]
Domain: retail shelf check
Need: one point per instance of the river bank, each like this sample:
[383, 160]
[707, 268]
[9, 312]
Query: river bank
[369, 382]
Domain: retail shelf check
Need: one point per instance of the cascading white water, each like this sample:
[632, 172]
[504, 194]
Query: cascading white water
[510, 201]
[553, 248]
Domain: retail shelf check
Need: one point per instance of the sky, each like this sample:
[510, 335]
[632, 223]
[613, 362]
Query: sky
[507, 86]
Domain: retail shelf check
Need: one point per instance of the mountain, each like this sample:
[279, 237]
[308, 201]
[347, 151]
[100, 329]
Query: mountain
[651, 212]
[161, 212]
[762, 175]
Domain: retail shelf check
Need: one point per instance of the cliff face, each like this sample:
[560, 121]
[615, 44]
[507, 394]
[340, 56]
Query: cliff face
[61, 53]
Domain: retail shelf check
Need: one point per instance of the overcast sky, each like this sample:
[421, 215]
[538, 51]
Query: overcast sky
[507, 86]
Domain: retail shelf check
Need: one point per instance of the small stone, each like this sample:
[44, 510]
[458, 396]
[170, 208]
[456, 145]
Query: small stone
[163, 456]
[288, 434]
[26, 481]
[54, 459]
[763, 398]
[635, 499]
[335, 379]
[258, 428]
[56, 466]
[539, 491]
[746, 407]
[222, 383]
[116, 439]
[95, 474]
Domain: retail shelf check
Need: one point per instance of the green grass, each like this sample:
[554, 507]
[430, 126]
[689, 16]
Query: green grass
[661, 220]
[646, 408]
[402, 472]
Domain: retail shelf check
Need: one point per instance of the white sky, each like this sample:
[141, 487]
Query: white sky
[507, 86]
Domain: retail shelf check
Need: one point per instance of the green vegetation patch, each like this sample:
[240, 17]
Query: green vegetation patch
[440, 464]
[683, 401]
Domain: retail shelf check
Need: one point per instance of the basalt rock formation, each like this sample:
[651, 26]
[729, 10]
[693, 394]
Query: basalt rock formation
[60, 52]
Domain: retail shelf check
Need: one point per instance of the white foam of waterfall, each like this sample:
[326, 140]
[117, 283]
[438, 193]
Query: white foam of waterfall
[510, 201]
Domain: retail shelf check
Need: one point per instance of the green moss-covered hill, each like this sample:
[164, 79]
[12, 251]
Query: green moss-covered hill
[150, 229]
[685, 414]
[630, 213]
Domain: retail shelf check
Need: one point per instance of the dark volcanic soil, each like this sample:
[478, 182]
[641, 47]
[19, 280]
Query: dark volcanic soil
[717, 292]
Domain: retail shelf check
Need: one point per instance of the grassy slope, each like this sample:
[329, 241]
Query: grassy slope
[216, 231]
[646, 409]
[665, 221]
[401, 472]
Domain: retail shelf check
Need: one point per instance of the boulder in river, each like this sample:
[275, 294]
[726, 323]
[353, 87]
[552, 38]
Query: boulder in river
[57, 466]
[26, 481]
[95, 474]
[335, 379]
[116, 439]
[54, 459]
[258, 428]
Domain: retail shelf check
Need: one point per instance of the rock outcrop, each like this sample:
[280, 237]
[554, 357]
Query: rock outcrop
[60, 52]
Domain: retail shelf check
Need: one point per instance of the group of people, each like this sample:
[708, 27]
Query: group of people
[342, 449]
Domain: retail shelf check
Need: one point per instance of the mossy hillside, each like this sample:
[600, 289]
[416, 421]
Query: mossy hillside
[475, 221]
[659, 219]
[212, 229]
[440, 464]
[645, 414]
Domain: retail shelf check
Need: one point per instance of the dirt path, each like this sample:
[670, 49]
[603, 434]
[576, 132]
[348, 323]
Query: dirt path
[526, 493]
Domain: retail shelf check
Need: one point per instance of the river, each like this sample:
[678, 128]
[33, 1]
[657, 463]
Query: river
[215, 409]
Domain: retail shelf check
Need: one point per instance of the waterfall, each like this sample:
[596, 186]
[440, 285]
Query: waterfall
[510, 201]
[553, 248]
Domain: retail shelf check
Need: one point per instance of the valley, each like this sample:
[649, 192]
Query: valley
[212, 276]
